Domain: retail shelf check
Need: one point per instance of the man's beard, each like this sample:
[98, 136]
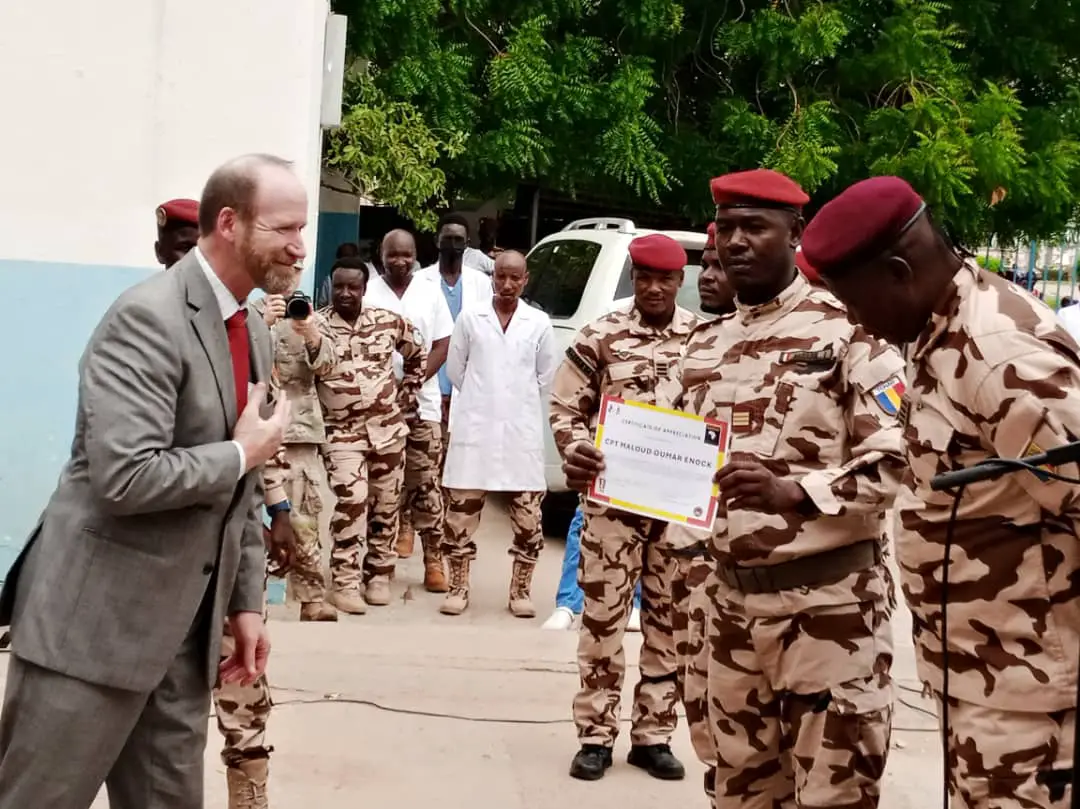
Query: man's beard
[271, 277]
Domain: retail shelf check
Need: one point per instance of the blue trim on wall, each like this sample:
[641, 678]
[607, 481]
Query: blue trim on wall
[51, 310]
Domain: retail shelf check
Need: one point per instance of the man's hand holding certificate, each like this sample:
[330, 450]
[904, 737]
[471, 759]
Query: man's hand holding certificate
[652, 461]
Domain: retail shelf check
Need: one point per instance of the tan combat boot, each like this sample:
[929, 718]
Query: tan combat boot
[434, 570]
[520, 586]
[377, 591]
[349, 601]
[406, 541]
[317, 611]
[247, 784]
[458, 598]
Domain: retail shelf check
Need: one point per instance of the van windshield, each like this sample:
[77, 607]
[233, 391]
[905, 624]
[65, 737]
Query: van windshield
[558, 274]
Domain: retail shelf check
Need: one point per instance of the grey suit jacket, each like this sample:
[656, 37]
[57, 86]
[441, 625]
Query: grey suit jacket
[148, 513]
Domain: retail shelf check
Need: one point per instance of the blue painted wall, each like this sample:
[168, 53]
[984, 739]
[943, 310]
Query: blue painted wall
[334, 230]
[50, 310]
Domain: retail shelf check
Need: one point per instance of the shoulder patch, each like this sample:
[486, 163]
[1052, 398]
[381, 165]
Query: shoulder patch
[890, 395]
[580, 362]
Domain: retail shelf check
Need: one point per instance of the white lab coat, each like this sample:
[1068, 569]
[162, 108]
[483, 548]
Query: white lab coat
[476, 289]
[501, 381]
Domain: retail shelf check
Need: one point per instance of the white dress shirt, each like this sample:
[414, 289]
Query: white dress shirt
[229, 306]
[1069, 317]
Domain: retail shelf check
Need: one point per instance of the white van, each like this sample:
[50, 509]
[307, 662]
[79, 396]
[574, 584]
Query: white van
[583, 272]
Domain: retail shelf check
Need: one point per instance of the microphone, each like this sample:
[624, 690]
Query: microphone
[996, 467]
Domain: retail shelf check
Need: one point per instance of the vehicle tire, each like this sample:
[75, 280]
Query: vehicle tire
[557, 511]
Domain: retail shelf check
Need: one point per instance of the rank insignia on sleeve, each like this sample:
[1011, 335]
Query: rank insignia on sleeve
[889, 395]
[741, 421]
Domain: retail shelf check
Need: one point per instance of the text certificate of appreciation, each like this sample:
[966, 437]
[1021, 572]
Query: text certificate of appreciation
[659, 463]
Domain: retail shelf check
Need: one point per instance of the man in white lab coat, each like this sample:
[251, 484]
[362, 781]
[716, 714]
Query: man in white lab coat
[463, 286]
[501, 362]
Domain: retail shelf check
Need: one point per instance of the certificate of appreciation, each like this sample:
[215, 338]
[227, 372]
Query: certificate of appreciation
[659, 463]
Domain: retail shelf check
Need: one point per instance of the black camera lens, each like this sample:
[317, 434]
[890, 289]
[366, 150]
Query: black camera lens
[298, 306]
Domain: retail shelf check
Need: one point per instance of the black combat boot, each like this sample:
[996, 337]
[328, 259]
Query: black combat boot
[590, 762]
[657, 760]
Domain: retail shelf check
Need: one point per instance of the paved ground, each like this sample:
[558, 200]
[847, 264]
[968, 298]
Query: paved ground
[407, 708]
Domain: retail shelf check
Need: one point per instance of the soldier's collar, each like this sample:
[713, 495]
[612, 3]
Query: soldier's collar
[945, 311]
[781, 304]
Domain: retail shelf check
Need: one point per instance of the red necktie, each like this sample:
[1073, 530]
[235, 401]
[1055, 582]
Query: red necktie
[236, 326]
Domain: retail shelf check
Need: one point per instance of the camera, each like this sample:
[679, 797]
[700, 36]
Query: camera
[297, 306]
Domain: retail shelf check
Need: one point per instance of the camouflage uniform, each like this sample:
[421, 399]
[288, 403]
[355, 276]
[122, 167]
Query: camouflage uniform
[621, 355]
[242, 711]
[799, 687]
[993, 374]
[296, 369]
[364, 409]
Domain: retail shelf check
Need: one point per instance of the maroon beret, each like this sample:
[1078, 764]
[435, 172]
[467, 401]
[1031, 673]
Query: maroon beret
[657, 252]
[710, 236]
[861, 223]
[806, 267]
[757, 188]
[179, 212]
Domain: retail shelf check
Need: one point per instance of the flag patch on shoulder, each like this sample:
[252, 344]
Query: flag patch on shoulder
[889, 395]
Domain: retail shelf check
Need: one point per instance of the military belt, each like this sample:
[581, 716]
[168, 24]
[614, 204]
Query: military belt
[818, 570]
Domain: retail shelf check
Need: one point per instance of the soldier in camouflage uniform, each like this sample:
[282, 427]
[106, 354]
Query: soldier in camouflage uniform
[625, 353]
[799, 687]
[991, 374]
[242, 711]
[689, 601]
[364, 409]
[303, 351]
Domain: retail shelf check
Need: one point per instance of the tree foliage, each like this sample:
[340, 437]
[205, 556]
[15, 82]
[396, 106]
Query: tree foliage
[650, 98]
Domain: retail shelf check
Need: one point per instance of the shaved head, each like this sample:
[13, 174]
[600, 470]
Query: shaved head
[399, 237]
[511, 259]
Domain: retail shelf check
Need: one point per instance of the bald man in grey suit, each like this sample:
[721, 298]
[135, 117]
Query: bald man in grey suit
[153, 536]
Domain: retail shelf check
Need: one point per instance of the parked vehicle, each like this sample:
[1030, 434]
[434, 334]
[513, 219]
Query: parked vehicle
[577, 275]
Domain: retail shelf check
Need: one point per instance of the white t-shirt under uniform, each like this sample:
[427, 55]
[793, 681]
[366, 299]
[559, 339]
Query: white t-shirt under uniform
[423, 305]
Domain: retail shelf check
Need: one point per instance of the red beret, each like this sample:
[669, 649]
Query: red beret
[657, 252]
[178, 211]
[710, 236]
[805, 267]
[758, 188]
[862, 222]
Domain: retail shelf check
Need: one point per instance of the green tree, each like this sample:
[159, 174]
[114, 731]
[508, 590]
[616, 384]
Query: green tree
[976, 102]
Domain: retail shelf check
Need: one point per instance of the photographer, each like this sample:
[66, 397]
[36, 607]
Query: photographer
[303, 351]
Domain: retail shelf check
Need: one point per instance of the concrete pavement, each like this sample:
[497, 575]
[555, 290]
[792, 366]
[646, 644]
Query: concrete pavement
[404, 707]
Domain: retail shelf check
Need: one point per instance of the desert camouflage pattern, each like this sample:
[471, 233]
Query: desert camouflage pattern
[800, 706]
[796, 381]
[296, 369]
[689, 618]
[621, 355]
[302, 468]
[423, 500]
[463, 509]
[275, 481]
[367, 485]
[1009, 759]
[993, 374]
[810, 666]
[363, 404]
[242, 711]
[616, 550]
